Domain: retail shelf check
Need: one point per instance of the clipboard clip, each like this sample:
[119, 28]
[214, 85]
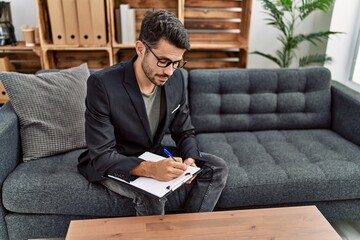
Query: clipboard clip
[178, 182]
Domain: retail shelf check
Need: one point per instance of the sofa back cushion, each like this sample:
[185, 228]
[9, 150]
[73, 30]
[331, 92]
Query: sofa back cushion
[259, 99]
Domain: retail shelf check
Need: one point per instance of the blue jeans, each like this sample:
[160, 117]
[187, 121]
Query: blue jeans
[199, 196]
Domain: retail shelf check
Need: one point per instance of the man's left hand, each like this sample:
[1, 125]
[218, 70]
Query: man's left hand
[190, 162]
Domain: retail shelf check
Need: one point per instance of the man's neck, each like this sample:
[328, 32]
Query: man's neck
[145, 85]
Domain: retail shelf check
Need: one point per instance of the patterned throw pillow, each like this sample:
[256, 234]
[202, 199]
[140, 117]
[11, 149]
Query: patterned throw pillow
[51, 108]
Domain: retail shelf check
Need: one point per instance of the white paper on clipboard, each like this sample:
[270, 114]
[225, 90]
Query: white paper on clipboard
[155, 187]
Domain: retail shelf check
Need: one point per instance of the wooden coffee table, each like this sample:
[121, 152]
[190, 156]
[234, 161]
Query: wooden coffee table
[273, 223]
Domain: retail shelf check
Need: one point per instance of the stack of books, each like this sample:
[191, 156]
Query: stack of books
[125, 24]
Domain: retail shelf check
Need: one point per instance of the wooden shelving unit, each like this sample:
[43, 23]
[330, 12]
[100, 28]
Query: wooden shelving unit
[64, 56]
[218, 30]
[25, 59]
[126, 51]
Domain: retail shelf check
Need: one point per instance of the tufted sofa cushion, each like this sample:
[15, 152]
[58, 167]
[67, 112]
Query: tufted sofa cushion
[286, 166]
[223, 100]
[53, 185]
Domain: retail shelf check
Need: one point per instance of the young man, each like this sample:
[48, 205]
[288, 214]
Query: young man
[129, 108]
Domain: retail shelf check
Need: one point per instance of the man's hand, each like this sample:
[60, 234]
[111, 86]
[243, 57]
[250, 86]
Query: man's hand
[164, 170]
[190, 162]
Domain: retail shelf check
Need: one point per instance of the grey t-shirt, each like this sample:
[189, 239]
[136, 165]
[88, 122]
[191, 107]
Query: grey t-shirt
[152, 104]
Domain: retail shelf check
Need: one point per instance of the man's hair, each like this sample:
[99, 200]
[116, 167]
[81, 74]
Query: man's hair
[162, 24]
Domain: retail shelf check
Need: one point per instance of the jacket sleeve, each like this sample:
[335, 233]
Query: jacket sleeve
[100, 136]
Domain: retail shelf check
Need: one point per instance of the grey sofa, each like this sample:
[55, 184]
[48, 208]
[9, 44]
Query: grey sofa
[290, 137]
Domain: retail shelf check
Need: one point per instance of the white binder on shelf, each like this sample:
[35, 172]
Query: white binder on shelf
[124, 8]
[131, 26]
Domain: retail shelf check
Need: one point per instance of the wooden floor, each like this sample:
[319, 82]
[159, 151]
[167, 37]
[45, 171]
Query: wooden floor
[348, 230]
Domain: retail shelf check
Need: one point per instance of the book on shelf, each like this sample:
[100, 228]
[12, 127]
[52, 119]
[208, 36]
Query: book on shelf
[127, 23]
[117, 25]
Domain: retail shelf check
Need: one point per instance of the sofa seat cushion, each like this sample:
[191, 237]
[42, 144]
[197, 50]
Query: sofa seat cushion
[53, 185]
[289, 166]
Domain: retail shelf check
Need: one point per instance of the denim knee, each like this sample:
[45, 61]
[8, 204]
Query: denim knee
[218, 166]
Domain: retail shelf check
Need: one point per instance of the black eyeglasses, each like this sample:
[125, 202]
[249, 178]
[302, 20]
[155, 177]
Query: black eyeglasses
[164, 63]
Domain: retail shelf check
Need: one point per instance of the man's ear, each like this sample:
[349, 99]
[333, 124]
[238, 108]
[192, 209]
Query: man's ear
[140, 48]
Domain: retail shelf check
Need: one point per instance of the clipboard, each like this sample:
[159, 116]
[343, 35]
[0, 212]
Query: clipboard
[155, 187]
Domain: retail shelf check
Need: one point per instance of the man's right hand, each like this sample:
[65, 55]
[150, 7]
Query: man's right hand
[164, 170]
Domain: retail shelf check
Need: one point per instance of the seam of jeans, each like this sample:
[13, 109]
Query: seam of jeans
[207, 191]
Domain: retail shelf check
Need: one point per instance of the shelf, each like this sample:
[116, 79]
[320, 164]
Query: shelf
[76, 47]
[219, 45]
[96, 58]
[19, 46]
[45, 28]
[218, 31]
[124, 46]
[141, 7]
[25, 59]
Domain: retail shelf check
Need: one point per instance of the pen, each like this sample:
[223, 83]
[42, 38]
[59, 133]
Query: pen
[169, 154]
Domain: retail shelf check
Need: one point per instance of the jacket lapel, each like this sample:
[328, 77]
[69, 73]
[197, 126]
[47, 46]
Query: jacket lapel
[168, 89]
[133, 90]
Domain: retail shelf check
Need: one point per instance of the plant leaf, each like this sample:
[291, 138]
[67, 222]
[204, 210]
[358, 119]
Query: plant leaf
[268, 56]
[285, 57]
[314, 38]
[308, 6]
[286, 15]
[318, 59]
[286, 4]
[275, 14]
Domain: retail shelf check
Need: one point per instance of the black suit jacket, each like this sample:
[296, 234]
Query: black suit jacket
[117, 128]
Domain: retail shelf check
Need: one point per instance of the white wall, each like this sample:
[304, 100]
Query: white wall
[23, 12]
[345, 19]
[262, 36]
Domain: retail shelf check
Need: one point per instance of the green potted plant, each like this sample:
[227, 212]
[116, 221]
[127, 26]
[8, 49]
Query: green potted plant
[286, 16]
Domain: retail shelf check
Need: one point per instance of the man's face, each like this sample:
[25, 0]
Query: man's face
[165, 52]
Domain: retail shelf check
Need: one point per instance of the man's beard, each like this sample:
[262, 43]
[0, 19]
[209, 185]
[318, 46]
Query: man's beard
[148, 72]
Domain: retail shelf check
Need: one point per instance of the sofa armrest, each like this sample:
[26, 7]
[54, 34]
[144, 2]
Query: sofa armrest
[10, 150]
[345, 104]
[10, 153]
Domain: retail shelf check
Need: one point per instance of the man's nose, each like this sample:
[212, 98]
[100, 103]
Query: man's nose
[169, 70]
